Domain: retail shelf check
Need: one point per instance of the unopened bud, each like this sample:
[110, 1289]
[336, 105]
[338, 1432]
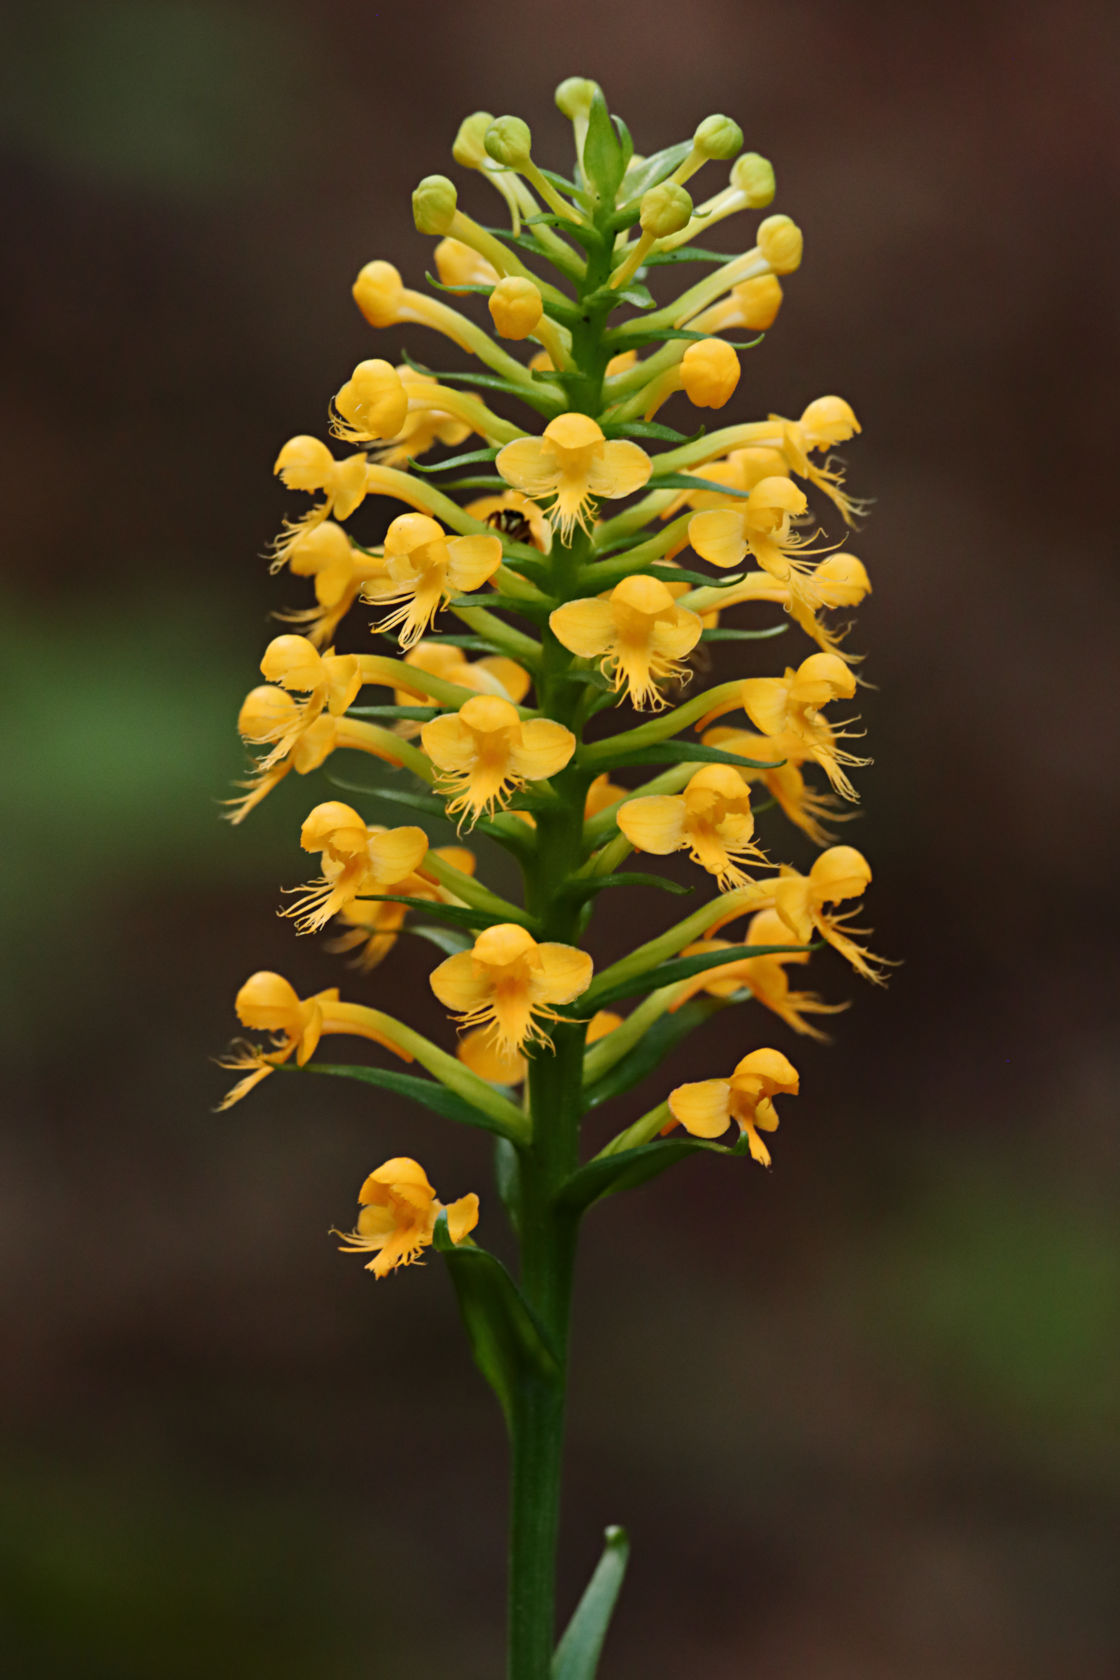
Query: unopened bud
[574, 96]
[666, 209]
[377, 293]
[468, 148]
[434, 204]
[709, 372]
[753, 176]
[718, 137]
[516, 307]
[758, 301]
[458, 265]
[779, 239]
[509, 141]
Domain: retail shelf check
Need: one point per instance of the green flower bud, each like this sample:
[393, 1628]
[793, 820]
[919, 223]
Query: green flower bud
[469, 149]
[574, 96]
[665, 209]
[753, 176]
[718, 137]
[509, 141]
[434, 204]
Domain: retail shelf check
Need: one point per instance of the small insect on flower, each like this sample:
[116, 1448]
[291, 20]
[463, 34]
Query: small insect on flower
[711, 819]
[398, 1216]
[638, 633]
[572, 464]
[484, 753]
[706, 1108]
[425, 568]
[510, 983]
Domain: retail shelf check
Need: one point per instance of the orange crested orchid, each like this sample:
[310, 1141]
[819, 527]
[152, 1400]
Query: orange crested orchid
[505, 1067]
[425, 423]
[572, 464]
[330, 679]
[800, 900]
[268, 1003]
[840, 580]
[300, 737]
[372, 404]
[783, 781]
[484, 753]
[707, 1108]
[424, 568]
[305, 463]
[826, 422]
[510, 983]
[740, 470]
[764, 977]
[398, 1217]
[752, 304]
[791, 706]
[493, 674]
[711, 819]
[638, 633]
[339, 568]
[373, 924]
[357, 860]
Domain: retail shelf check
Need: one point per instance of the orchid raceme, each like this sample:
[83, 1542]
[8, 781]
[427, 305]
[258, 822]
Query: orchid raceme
[510, 983]
[398, 1213]
[638, 634]
[547, 563]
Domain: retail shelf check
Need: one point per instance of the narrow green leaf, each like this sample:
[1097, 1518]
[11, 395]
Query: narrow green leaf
[603, 163]
[687, 253]
[497, 602]
[446, 939]
[688, 481]
[457, 915]
[678, 752]
[413, 714]
[586, 886]
[607, 1175]
[721, 635]
[471, 459]
[651, 1050]
[507, 1175]
[635, 294]
[427, 1092]
[656, 168]
[598, 995]
[577, 1655]
[506, 1339]
[650, 429]
[678, 574]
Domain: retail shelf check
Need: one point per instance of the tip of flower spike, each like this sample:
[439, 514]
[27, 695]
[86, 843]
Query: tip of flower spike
[575, 96]
[434, 204]
[780, 241]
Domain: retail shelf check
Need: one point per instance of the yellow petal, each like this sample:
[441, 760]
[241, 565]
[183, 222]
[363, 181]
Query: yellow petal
[396, 853]
[618, 469]
[675, 637]
[765, 701]
[529, 465]
[448, 744]
[718, 536]
[603, 1021]
[768, 928]
[564, 973]
[267, 1002]
[462, 1217]
[460, 984]
[775, 1071]
[543, 750]
[400, 1172]
[841, 872]
[703, 1109]
[473, 560]
[654, 824]
[585, 627]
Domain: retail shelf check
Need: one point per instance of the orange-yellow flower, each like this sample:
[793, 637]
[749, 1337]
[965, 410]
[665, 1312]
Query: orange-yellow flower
[339, 568]
[357, 860]
[783, 781]
[398, 1216]
[601, 795]
[330, 679]
[764, 977]
[426, 421]
[791, 705]
[484, 752]
[752, 304]
[372, 404]
[458, 265]
[800, 900]
[709, 373]
[268, 1003]
[826, 422]
[305, 463]
[425, 568]
[510, 983]
[300, 736]
[711, 819]
[741, 469]
[840, 580]
[373, 924]
[638, 634]
[707, 1108]
[572, 464]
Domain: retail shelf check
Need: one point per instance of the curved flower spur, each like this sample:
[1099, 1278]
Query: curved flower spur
[533, 574]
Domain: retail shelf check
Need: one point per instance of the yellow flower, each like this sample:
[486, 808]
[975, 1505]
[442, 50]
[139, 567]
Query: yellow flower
[305, 463]
[325, 553]
[373, 924]
[424, 568]
[707, 1108]
[357, 860]
[398, 1216]
[425, 424]
[709, 373]
[372, 404]
[764, 977]
[269, 1003]
[516, 307]
[513, 513]
[711, 819]
[573, 463]
[301, 738]
[790, 705]
[505, 1067]
[838, 874]
[826, 422]
[485, 752]
[752, 305]
[741, 469]
[784, 782]
[458, 265]
[332, 680]
[637, 632]
[493, 674]
[511, 983]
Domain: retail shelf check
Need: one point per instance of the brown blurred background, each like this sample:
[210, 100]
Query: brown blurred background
[860, 1415]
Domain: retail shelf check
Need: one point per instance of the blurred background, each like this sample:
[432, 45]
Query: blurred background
[861, 1414]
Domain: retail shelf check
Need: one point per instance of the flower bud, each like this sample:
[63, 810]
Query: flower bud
[666, 209]
[458, 265]
[373, 401]
[709, 372]
[758, 301]
[718, 137]
[468, 148]
[303, 463]
[509, 141]
[779, 239]
[753, 176]
[434, 204]
[267, 1002]
[830, 420]
[574, 96]
[377, 293]
[516, 307]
